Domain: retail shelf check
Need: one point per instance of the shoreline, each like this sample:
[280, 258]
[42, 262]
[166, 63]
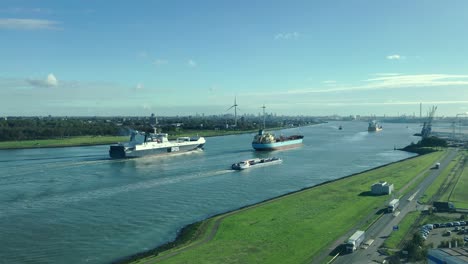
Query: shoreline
[193, 227]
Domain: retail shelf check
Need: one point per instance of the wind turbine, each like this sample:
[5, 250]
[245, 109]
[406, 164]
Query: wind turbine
[235, 111]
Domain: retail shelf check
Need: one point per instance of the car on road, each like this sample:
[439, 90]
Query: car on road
[449, 224]
[456, 223]
[436, 225]
[462, 223]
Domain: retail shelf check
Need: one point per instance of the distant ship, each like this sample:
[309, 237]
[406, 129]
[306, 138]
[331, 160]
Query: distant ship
[266, 141]
[143, 144]
[253, 163]
[374, 126]
[340, 128]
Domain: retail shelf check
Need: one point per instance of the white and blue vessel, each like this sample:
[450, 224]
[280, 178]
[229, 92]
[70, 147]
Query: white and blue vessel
[144, 144]
[266, 141]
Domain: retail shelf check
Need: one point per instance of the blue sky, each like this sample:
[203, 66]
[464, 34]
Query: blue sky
[188, 57]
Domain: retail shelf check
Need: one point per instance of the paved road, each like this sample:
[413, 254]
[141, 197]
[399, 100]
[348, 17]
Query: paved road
[384, 226]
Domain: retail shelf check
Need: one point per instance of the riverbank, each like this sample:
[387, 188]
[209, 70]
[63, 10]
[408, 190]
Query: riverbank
[293, 227]
[107, 140]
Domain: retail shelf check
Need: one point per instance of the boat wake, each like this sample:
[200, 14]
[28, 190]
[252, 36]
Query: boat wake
[20, 207]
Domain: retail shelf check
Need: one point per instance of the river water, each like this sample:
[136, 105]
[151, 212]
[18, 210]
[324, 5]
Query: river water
[75, 205]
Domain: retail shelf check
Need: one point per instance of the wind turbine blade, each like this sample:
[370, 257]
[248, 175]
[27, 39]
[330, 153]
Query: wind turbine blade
[230, 108]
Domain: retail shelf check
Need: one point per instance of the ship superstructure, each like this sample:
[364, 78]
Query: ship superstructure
[374, 126]
[143, 144]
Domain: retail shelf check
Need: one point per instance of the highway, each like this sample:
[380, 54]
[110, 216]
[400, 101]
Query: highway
[382, 228]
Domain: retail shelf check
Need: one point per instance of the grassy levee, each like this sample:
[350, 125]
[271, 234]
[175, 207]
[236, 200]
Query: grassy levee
[449, 186]
[62, 142]
[459, 195]
[441, 179]
[404, 227]
[296, 227]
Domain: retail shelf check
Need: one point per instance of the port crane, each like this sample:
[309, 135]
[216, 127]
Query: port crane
[427, 126]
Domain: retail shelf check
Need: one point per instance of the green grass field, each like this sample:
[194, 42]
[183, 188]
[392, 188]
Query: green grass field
[294, 228]
[435, 186]
[62, 142]
[460, 193]
[403, 228]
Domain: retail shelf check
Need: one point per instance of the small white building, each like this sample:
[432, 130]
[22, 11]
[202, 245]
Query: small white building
[382, 187]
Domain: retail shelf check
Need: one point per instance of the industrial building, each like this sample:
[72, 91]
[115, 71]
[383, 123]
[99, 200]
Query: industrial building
[447, 256]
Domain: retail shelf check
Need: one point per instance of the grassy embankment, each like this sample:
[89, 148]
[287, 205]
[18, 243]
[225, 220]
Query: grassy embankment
[403, 230]
[439, 181]
[103, 140]
[296, 227]
[62, 142]
[459, 194]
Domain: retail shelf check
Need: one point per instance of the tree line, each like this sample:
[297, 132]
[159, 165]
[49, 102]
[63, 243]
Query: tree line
[29, 128]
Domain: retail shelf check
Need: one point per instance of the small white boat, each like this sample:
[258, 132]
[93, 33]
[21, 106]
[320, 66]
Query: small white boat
[253, 163]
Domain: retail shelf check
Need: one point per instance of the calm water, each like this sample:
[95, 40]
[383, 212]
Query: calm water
[74, 205]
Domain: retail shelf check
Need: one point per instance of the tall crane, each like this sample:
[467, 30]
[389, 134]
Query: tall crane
[427, 126]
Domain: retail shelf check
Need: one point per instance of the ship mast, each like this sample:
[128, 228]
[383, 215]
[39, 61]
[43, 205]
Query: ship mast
[263, 116]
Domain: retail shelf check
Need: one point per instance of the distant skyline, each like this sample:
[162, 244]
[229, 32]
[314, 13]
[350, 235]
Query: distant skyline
[177, 57]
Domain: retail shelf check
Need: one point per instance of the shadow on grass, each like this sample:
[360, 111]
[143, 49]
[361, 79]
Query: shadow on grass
[339, 249]
[369, 193]
[381, 211]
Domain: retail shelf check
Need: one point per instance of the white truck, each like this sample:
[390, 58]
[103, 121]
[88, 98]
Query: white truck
[393, 205]
[355, 241]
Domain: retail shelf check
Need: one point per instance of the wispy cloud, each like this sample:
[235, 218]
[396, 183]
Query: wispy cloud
[142, 54]
[386, 74]
[139, 86]
[287, 36]
[393, 82]
[50, 81]
[159, 62]
[395, 57]
[21, 10]
[191, 63]
[329, 82]
[28, 24]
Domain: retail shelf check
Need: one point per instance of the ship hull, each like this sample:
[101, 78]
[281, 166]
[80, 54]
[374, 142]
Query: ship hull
[277, 145]
[121, 152]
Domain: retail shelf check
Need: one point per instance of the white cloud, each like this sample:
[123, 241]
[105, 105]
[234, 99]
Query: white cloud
[50, 81]
[27, 24]
[286, 36]
[392, 82]
[395, 57]
[142, 54]
[159, 62]
[139, 86]
[191, 63]
[329, 82]
[386, 74]
[20, 10]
